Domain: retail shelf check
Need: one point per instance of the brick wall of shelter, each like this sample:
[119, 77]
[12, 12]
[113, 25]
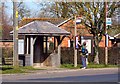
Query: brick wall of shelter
[6, 44]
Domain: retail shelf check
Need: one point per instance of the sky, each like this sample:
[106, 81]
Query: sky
[33, 6]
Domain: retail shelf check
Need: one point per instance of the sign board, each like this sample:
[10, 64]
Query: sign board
[68, 43]
[76, 42]
[78, 21]
[20, 46]
[106, 40]
[108, 21]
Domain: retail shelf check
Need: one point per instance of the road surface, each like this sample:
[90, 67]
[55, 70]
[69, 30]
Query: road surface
[77, 75]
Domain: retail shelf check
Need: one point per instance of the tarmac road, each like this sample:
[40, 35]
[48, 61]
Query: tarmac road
[66, 75]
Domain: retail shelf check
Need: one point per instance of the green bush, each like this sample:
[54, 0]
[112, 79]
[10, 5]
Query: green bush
[7, 52]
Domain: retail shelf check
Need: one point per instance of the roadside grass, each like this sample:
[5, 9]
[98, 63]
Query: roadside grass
[90, 65]
[6, 69]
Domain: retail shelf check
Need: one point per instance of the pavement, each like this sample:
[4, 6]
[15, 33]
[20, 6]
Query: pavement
[69, 70]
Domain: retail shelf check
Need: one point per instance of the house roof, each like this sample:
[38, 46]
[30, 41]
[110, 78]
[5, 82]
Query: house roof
[70, 27]
[41, 28]
[63, 23]
[117, 35]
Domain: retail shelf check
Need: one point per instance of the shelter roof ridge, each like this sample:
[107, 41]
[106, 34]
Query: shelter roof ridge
[44, 19]
[55, 21]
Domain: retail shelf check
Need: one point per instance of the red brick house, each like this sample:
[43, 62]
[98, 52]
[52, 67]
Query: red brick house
[115, 40]
[67, 24]
[102, 43]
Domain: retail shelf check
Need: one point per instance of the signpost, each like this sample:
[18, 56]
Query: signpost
[75, 50]
[77, 21]
[108, 22]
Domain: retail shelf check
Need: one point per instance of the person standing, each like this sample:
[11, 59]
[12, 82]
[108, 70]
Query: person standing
[84, 53]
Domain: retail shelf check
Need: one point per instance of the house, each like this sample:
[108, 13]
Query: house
[68, 25]
[102, 42]
[115, 40]
[82, 32]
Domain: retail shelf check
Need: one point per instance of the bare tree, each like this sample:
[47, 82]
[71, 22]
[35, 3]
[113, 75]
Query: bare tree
[93, 14]
[23, 11]
[5, 24]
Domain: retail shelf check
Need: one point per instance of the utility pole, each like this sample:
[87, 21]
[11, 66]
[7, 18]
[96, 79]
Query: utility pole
[15, 34]
[75, 50]
[1, 27]
[106, 47]
[2, 9]
[2, 12]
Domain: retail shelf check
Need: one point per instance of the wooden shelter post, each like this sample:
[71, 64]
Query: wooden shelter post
[59, 41]
[54, 43]
[59, 50]
[46, 44]
[31, 51]
[27, 45]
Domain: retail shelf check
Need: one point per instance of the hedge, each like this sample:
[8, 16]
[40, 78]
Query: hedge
[67, 56]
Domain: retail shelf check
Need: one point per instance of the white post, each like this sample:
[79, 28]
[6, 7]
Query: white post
[46, 45]
[31, 51]
[106, 47]
[75, 50]
[59, 54]
[27, 45]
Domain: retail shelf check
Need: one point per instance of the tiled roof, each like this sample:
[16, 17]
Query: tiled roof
[41, 28]
[117, 35]
[68, 24]
[81, 29]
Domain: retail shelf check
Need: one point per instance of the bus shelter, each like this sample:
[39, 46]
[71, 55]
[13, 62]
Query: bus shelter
[36, 37]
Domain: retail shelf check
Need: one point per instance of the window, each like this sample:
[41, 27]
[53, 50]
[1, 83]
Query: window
[20, 46]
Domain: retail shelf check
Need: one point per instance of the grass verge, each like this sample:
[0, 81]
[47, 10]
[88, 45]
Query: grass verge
[91, 65]
[12, 70]
[28, 69]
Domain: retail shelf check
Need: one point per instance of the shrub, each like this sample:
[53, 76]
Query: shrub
[67, 56]
[7, 52]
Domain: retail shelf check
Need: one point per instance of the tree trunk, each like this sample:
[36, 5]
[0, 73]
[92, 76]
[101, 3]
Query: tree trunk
[96, 43]
[96, 59]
